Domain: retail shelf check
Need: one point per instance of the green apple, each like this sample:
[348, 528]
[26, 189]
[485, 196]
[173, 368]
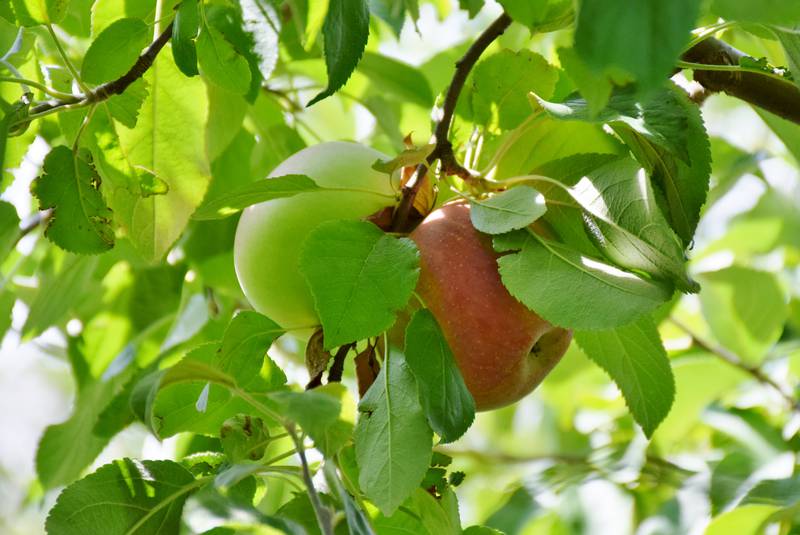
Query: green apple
[502, 348]
[270, 234]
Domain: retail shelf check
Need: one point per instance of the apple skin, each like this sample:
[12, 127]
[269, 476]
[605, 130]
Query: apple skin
[502, 348]
[270, 234]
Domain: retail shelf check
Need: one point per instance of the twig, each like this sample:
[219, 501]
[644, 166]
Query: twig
[770, 92]
[41, 218]
[443, 151]
[108, 89]
[320, 511]
[734, 360]
[563, 459]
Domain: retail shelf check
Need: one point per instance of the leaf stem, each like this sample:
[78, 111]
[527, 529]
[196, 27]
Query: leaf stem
[708, 31]
[41, 87]
[67, 62]
[320, 511]
[86, 120]
[734, 360]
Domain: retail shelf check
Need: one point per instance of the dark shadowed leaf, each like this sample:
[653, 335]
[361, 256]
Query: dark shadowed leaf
[345, 32]
[444, 396]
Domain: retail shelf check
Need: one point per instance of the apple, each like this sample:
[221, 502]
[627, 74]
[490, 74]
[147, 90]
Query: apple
[270, 234]
[502, 348]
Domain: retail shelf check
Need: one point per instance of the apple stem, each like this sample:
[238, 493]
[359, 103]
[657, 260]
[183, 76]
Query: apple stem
[443, 151]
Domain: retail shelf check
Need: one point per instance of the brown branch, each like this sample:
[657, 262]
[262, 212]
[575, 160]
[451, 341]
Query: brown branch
[734, 360]
[443, 151]
[772, 94]
[39, 219]
[114, 87]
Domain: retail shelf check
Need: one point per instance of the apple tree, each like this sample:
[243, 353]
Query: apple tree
[395, 266]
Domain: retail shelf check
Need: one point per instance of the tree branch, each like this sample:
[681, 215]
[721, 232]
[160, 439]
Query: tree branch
[733, 359]
[114, 87]
[443, 151]
[781, 97]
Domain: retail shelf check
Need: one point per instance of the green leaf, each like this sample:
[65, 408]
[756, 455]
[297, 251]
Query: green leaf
[345, 32]
[482, 530]
[323, 414]
[239, 365]
[226, 111]
[59, 292]
[790, 40]
[115, 50]
[601, 296]
[421, 513]
[682, 183]
[245, 343]
[166, 143]
[727, 479]
[131, 498]
[596, 89]
[444, 396]
[357, 519]
[634, 39]
[781, 12]
[787, 131]
[746, 520]
[34, 12]
[634, 357]
[396, 78]
[7, 11]
[627, 224]
[699, 380]
[184, 31]
[745, 308]
[510, 210]
[262, 23]
[359, 278]
[778, 492]
[392, 12]
[540, 15]
[220, 63]
[472, 7]
[393, 439]
[125, 107]
[9, 229]
[661, 118]
[70, 186]
[198, 394]
[67, 448]
[243, 439]
[260, 191]
[542, 139]
[501, 84]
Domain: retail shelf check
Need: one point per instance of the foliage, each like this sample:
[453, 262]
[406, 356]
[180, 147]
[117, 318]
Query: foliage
[614, 211]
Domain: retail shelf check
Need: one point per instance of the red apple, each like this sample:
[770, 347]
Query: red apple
[502, 348]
